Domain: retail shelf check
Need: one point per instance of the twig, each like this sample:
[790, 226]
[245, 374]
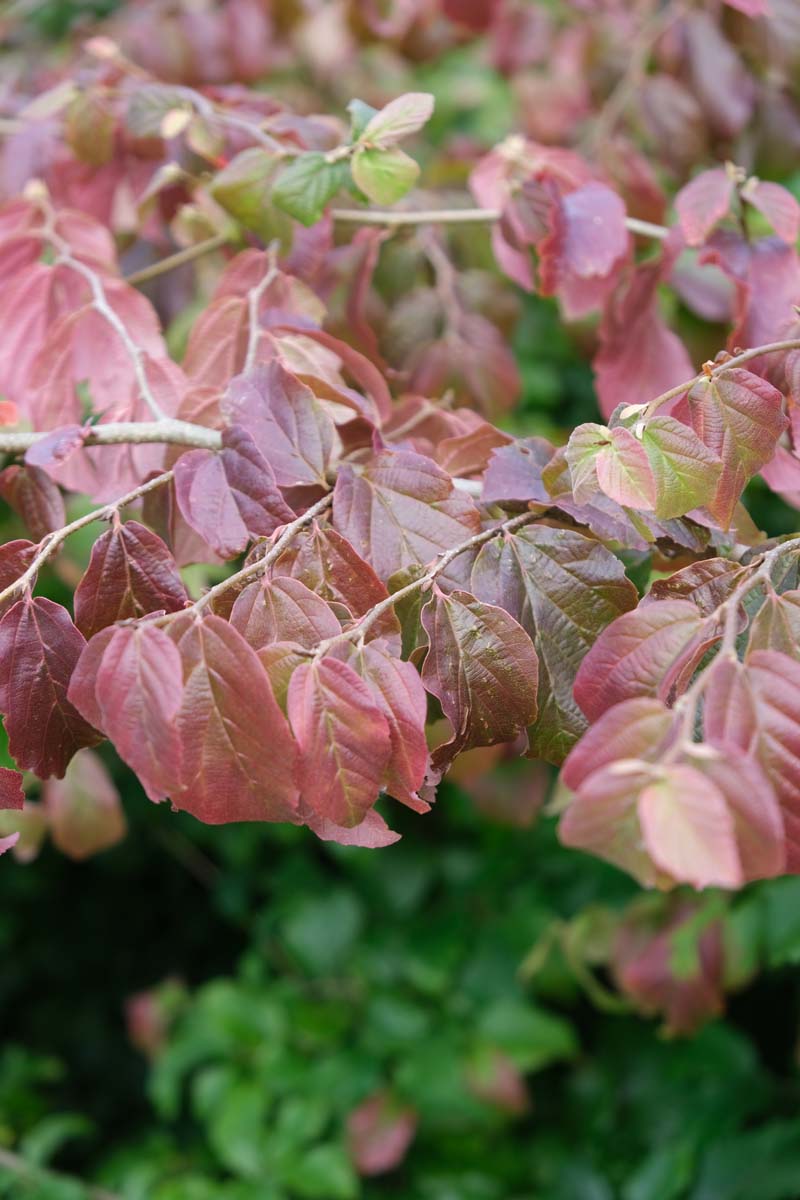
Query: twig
[114, 433]
[20, 1165]
[253, 301]
[217, 242]
[254, 569]
[459, 216]
[737, 360]
[360, 627]
[49, 544]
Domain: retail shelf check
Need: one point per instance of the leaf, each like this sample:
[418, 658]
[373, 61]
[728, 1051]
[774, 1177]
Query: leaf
[703, 202]
[11, 793]
[128, 682]
[640, 654]
[483, 669]
[306, 184]
[754, 707]
[39, 649]
[379, 1132]
[585, 443]
[777, 204]
[776, 625]
[400, 117]
[35, 498]
[688, 830]
[603, 819]
[371, 834]
[564, 588]
[515, 472]
[131, 572]
[686, 472]
[638, 728]
[83, 808]
[383, 175]
[739, 416]
[15, 558]
[282, 609]
[396, 687]
[239, 758]
[400, 508]
[286, 422]
[244, 189]
[7, 843]
[343, 738]
[230, 496]
[624, 472]
[753, 805]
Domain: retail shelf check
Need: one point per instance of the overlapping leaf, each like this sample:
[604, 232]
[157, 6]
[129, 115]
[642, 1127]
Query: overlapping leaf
[564, 589]
[482, 667]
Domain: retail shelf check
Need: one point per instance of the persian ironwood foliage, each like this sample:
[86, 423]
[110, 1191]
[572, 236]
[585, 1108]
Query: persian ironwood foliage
[409, 581]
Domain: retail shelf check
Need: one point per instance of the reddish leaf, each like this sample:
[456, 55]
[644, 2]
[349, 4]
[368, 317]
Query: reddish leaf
[398, 691]
[776, 625]
[35, 498]
[564, 589]
[399, 509]
[371, 834]
[588, 243]
[283, 609]
[638, 728]
[231, 496]
[239, 758]
[131, 572]
[483, 669]
[778, 206]
[639, 356]
[755, 707]
[128, 683]
[739, 417]
[379, 1133]
[515, 472]
[702, 203]
[707, 583]
[688, 830]
[39, 648]
[343, 738]
[83, 808]
[639, 654]
[603, 819]
[11, 793]
[57, 446]
[15, 558]
[286, 422]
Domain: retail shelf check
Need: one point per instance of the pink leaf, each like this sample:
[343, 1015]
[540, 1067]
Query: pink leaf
[688, 830]
[702, 203]
[231, 496]
[83, 808]
[778, 206]
[343, 738]
[379, 1133]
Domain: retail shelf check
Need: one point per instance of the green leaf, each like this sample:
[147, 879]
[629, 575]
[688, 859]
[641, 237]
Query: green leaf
[384, 175]
[685, 470]
[530, 1036]
[244, 189]
[361, 114]
[305, 186]
[584, 445]
[324, 1173]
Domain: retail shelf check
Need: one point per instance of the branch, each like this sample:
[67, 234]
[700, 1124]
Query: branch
[254, 569]
[360, 627]
[51, 543]
[217, 242]
[113, 433]
[459, 216]
[737, 360]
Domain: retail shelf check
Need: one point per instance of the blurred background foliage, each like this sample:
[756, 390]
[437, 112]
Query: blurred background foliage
[475, 1013]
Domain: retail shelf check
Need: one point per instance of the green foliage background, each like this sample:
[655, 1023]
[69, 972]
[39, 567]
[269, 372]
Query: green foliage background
[301, 977]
